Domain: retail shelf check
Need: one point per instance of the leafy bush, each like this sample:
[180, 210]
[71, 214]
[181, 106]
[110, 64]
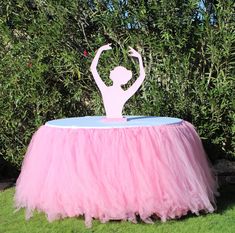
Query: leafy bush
[47, 48]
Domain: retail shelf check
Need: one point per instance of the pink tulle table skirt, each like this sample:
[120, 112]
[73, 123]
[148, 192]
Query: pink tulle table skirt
[116, 173]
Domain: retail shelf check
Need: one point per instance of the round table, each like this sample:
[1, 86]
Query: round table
[146, 166]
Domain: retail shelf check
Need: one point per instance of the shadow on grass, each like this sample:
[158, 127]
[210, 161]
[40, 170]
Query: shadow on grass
[227, 198]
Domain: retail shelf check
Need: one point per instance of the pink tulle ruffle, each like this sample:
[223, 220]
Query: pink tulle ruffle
[116, 173]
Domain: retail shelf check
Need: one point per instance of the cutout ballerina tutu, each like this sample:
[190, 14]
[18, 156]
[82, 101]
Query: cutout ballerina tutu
[114, 97]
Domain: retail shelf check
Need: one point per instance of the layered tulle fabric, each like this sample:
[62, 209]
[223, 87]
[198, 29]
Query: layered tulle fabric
[116, 173]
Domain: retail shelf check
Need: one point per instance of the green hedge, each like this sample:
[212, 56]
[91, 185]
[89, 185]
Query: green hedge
[46, 48]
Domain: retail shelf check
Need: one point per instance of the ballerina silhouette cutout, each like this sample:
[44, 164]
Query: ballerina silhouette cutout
[114, 97]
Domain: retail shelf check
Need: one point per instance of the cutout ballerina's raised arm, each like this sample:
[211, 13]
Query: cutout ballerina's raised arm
[114, 97]
[101, 85]
[136, 85]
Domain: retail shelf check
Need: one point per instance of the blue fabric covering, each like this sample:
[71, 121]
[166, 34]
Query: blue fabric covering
[96, 122]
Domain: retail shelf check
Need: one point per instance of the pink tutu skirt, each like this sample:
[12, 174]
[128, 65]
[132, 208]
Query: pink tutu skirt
[116, 173]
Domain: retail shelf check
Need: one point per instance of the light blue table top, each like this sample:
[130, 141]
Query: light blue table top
[97, 122]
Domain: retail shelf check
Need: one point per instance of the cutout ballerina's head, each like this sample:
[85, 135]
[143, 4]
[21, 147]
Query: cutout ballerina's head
[114, 97]
[120, 75]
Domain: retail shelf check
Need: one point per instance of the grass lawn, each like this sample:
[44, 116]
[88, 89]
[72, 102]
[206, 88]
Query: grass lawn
[223, 220]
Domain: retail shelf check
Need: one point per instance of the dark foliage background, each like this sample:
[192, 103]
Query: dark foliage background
[46, 48]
